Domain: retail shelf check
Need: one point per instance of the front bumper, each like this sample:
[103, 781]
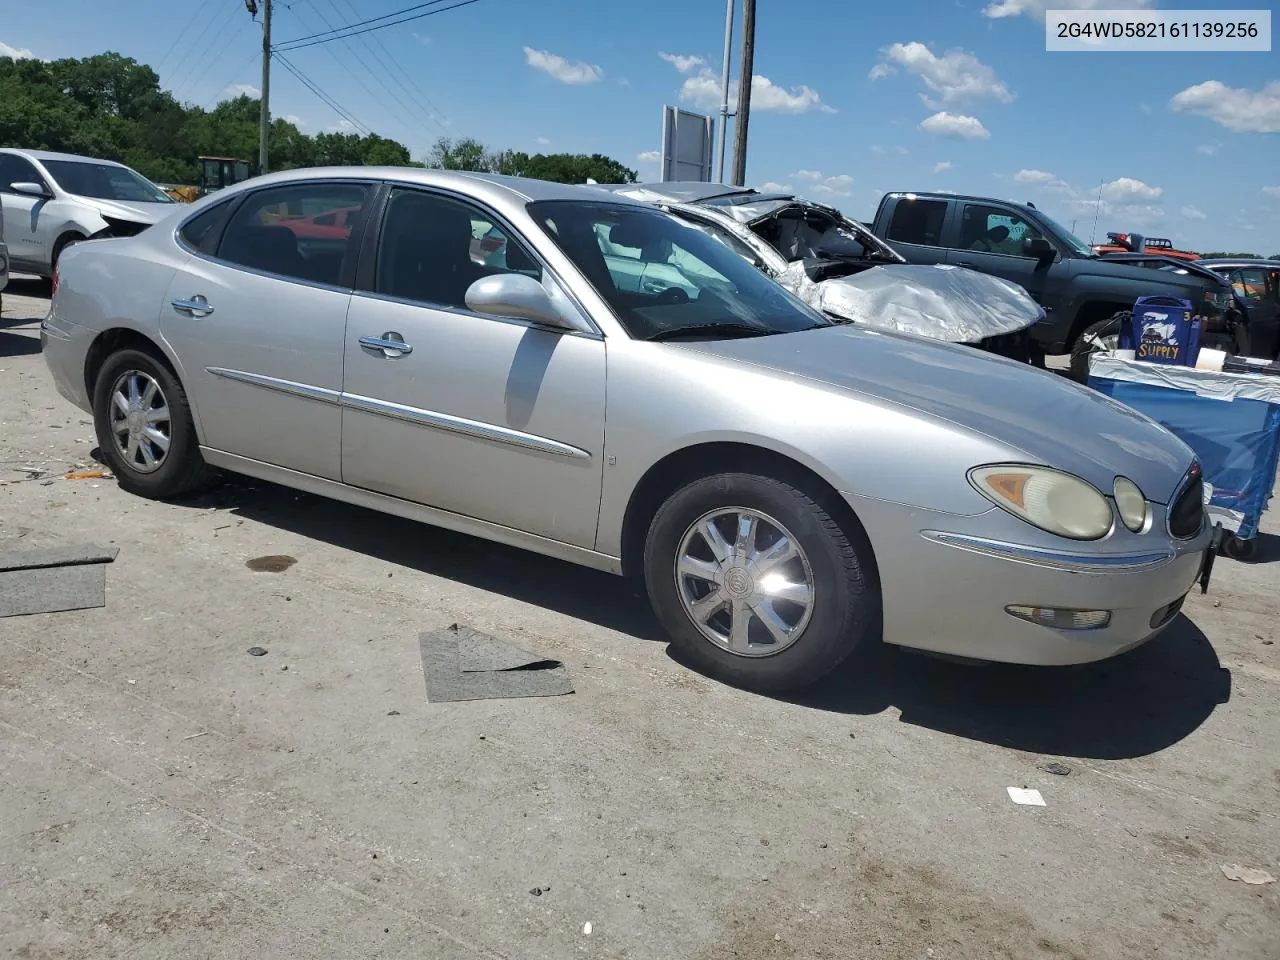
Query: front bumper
[946, 582]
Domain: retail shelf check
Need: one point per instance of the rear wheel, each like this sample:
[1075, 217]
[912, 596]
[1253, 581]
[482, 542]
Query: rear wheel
[1095, 338]
[756, 582]
[144, 427]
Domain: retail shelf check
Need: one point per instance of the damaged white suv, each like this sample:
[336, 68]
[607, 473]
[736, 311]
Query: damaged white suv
[51, 200]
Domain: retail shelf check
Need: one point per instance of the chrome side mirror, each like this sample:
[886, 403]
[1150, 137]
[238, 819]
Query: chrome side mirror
[517, 296]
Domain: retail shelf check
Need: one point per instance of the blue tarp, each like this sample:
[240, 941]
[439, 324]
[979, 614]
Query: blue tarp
[1234, 430]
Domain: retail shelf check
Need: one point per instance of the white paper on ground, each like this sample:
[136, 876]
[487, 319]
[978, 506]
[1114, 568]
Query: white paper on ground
[1026, 797]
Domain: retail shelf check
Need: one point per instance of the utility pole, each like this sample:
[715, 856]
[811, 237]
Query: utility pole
[724, 87]
[743, 115]
[264, 113]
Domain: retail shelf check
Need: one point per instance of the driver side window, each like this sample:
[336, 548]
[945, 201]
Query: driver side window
[15, 169]
[994, 230]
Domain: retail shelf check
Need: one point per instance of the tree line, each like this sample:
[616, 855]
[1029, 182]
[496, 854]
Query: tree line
[112, 107]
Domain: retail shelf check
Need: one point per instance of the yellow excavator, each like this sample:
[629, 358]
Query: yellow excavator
[215, 174]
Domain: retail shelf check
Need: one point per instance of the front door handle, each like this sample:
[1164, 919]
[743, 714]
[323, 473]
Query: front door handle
[197, 306]
[964, 263]
[390, 343]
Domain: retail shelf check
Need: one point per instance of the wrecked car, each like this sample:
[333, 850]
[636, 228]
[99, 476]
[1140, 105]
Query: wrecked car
[838, 266]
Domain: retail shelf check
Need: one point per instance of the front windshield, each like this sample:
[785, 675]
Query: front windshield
[1067, 237]
[663, 277]
[104, 181]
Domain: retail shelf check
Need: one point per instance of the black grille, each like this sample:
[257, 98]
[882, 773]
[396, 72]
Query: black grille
[1186, 516]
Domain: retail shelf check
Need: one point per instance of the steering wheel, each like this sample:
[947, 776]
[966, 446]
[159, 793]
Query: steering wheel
[672, 295]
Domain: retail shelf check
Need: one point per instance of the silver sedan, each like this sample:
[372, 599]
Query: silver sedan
[787, 488]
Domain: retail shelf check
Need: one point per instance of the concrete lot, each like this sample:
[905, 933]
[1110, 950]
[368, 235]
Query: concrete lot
[163, 794]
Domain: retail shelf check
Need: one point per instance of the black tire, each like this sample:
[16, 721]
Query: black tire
[1237, 549]
[1087, 343]
[181, 470]
[845, 609]
[64, 241]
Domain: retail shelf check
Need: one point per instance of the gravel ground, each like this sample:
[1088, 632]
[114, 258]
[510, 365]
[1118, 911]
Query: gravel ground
[163, 793]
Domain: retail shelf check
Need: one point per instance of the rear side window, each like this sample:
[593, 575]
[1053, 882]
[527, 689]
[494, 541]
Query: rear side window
[201, 232]
[301, 231]
[918, 221]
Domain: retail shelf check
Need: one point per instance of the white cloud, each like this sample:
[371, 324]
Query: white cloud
[1033, 176]
[1129, 190]
[649, 156]
[703, 90]
[1209, 149]
[880, 71]
[293, 118]
[770, 186]
[956, 76]
[1145, 108]
[956, 126]
[878, 148]
[1238, 109]
[16, 53]
[1247, 226]
[1273, 192]
[422, 38]
[1036, 8]
[902, 150]
[942, 166]
[1193, 213]
[683, 63]
[542, 141]
[839, 185]
[242, 90]
[557, 67]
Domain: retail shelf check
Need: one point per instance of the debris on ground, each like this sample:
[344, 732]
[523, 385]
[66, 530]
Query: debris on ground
[53, 579]
[1057, 769]
[257, 651]
[275, 563]
[1026, 797]
[459, 663]
[1254, 875]
[86, 475]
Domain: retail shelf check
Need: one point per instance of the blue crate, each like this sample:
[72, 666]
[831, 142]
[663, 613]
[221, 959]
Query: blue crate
[1164, 330]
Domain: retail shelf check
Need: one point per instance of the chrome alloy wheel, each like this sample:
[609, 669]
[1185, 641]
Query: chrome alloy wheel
[140, 424]
[744, 581]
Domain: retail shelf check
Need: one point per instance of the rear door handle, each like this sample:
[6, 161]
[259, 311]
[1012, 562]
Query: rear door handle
[197, 306]
[390, 343]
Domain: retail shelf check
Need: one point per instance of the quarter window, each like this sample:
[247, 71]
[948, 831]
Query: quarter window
[281, 230]
[918, 221]
[994, 230]
[16, 169]
[201, 231]
[433, 248]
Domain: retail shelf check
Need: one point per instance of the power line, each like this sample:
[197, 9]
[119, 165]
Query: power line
[388, 60]
[436, 114]
[407, 106]
[201, 60]
[200, 7]
[361, 23]
[298, 45]
[315, 88]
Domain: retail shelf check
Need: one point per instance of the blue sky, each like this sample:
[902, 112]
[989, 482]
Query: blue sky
[851, 98]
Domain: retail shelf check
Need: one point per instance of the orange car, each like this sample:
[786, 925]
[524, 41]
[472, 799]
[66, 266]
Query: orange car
[1120, 243]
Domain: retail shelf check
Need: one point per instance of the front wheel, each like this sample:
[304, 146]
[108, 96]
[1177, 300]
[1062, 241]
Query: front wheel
[1095, 338]
[757, 584]
[144, 427]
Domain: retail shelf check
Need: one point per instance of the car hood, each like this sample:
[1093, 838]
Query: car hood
[940, 302]
[136, 212]
[1049, 418]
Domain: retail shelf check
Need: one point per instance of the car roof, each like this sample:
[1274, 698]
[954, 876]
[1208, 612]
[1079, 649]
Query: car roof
[522, 188]
[680, 191]
[967, 197]
[43, 155]
[1239, 262]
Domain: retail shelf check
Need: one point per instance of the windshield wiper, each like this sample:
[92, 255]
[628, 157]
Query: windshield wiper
[729, 329]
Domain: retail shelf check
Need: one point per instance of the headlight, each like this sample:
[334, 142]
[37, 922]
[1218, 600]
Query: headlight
[1053, 501]
[1131, 504]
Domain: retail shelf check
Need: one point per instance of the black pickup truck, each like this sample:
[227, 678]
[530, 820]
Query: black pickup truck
[1086, 296]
